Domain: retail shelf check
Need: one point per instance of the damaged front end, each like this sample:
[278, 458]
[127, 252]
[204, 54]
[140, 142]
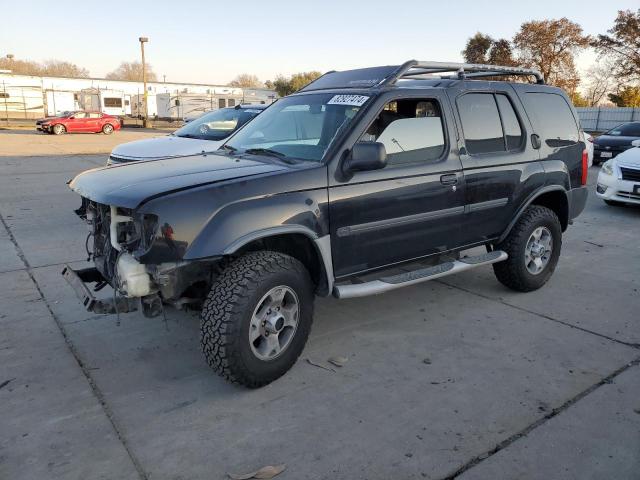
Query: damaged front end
[118, 238]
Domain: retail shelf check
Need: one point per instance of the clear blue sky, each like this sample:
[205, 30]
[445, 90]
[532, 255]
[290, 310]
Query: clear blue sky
[211, 42]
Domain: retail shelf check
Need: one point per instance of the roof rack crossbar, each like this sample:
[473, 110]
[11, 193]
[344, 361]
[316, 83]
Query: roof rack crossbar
[463, 70]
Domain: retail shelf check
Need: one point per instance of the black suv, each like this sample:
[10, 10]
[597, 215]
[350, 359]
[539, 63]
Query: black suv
[363, 182]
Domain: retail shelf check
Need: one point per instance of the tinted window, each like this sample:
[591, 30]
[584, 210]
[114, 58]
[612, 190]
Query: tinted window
[626, 130]
[481, 123]
[553, 118]
[510, 124]
[113, 102]
[411, 131]
[232, 102]
[222, 103]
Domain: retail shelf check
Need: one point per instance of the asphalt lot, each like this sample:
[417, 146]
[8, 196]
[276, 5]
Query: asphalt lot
[453, 378]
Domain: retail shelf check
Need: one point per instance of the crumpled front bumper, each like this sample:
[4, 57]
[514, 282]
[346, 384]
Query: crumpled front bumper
[78, 279]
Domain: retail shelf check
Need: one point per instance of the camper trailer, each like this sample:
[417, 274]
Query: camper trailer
[112, 102]
[178, 106]
[57, 102]
[137, 105]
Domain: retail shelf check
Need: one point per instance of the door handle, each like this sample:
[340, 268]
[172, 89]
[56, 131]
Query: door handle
[449, 179]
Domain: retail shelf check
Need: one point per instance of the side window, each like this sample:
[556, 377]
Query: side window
[411, 130]
[232, 102]
[481, 123]
[95, 115]
[222, 103]
[113, 102]
[78, 115]
[553, 119]
[512, 130]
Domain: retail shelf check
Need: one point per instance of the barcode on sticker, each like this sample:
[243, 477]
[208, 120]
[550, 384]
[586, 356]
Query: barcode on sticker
[353, 100]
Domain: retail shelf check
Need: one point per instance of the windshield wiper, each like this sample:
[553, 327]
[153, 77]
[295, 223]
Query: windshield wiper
[270, 153]
[229, 147]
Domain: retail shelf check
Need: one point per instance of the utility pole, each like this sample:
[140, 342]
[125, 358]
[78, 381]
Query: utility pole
[145, 121]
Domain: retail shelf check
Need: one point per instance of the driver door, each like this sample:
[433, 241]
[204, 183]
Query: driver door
[411, 208]
[77, 123]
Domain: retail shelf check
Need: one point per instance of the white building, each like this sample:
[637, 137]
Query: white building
[24, 96]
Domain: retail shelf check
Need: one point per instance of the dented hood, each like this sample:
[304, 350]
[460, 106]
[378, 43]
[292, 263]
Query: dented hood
[130, 184]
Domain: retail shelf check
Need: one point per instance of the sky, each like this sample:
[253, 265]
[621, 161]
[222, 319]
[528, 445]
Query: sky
[212, 42]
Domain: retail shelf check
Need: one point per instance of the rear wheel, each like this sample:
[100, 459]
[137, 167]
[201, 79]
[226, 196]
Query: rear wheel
[107, 129]
[533, 246]
[59, 129]
[257, 317]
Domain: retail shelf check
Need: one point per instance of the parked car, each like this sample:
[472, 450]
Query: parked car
[363, 182]
[615, 141]
[619, 178]
[204, 134]
[40, 121]
[81, 122]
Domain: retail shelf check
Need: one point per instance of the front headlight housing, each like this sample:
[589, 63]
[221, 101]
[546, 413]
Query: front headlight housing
[607, 168]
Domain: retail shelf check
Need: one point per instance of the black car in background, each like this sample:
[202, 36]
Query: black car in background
[615, 141]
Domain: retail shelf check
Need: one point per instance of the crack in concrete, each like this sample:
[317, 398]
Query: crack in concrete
[85, 370]
[528, 429]
[542, 315]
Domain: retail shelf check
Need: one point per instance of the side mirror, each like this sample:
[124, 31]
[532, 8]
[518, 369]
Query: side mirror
[366, 156]
[635, 143]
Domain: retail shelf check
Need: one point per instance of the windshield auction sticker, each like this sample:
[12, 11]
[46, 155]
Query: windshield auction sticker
[353, 100]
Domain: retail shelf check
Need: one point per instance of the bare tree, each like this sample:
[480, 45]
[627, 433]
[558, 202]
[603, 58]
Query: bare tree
[601, 81]
[246, 80]
[550, 46]
[131, 71]
[54, 68]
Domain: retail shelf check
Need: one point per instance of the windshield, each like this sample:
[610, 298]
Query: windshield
[300, 127]
[626, 130]
[217, 125]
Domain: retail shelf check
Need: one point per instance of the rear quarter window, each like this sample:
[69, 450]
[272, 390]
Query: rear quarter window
[553, 119]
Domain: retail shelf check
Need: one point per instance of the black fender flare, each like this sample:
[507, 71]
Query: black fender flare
[529, 201]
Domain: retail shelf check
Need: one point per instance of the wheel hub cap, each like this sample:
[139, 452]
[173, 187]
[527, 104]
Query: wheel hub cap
[274, 323]
[538, 250]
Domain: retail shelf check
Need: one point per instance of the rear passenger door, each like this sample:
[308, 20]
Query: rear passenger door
[94, 122]
[501, 167]
[413, 206]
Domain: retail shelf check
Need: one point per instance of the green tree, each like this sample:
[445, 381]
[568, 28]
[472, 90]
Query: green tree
[477, 47]
[287, 85]
[626, 97]
[131, 71]
[550, 47]
[622, 45]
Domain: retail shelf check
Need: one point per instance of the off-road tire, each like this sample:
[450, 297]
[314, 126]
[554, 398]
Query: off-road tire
[58, 129]
[229, 306]
[107, 129]
[513, 272]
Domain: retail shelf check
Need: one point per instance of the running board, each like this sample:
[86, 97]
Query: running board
[385, 284]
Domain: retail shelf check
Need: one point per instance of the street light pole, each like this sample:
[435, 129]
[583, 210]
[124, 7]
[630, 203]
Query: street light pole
[145, 121]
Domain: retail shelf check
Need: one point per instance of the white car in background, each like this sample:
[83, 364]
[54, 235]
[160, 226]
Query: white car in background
[204, 134]
[619, 178]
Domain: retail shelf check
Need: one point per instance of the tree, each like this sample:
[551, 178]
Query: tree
[622, 45]
[626, 97]
[550, 46]
[501, 53]
[58, 68]
[600, 82]
[477, 47]
[131, 71]
[287, 85]
[246, 80]
[54, 68]
[578, 99]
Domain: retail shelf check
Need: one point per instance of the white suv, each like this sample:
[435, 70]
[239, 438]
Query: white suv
[619, 178]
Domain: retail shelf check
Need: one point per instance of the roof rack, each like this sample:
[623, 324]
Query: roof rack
[462, 71]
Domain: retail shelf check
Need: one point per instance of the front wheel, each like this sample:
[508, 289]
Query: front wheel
[257, 318]
[533, 246]
[59, 129]
[107, 129]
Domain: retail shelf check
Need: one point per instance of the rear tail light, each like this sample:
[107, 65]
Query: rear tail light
[585, 167]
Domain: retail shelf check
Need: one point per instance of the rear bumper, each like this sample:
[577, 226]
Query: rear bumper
[78, 280]
[577, 201]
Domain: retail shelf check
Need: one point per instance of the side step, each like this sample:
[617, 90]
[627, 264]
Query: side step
[385, 284]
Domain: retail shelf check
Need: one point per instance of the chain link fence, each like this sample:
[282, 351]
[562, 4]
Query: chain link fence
[601, 119]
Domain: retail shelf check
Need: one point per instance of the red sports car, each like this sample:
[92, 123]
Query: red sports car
[90, 122]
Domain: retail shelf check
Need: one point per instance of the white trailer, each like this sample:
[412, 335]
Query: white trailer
[57, 102]
[178, 106]
[112, 102]
[137, 105]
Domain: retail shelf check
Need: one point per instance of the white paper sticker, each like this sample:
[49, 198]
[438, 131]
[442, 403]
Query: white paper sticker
[354, 100]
